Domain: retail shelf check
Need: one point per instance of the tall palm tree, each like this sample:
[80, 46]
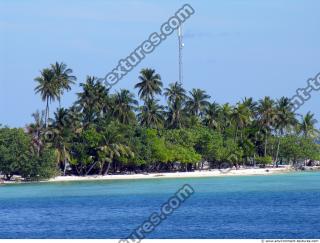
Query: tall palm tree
[197, 102]
[251, 105]
[241, 115]
[284, 119]
[224, 116]
[175, 116]
[63, 77]
[175, 93]
[176, 98]
[61, 136]
[48, 89]
[151, 114]
[212, 116]
[124, 104]
[266, 113]
[36, 130]
[307, 126]
[94, 100]
[75, 117]
[150, 84]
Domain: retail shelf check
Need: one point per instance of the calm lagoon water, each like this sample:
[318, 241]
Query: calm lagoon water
[276, 206]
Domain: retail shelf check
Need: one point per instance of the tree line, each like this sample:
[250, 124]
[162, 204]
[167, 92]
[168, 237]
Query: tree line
[105, 132]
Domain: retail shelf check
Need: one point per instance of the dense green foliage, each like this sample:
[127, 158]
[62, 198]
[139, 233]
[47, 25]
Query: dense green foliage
[104, 132]
[17, 156]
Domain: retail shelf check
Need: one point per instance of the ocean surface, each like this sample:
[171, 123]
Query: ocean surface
[275, 206]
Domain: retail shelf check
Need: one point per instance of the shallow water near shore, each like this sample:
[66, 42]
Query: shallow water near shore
[274, 206]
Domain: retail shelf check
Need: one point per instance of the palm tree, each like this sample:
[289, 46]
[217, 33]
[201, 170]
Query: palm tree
[251, 105]
[94, 100]
[124, 105]
[175, 93]
[197, 102]
[212, 116]
[266, 113]
[284, 119]
[150, 84]
[176, 97]
[36, 130]
[112, 148]
[151, 114]
[61, 134]
[175, 116]
[48, 89]
[109, 152]
[75, 118]
[224, 116]
[307, 126]
[63, 77]
[241, 116]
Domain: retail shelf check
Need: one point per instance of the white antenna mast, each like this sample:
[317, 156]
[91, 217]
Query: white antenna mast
[180, 39]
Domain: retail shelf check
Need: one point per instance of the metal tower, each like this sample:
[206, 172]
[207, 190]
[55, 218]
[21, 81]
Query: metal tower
[181, 45]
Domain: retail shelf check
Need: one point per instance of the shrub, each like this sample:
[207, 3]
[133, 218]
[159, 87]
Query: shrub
[264, 160]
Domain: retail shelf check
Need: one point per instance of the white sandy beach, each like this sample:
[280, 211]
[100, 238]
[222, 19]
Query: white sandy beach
[195, 174]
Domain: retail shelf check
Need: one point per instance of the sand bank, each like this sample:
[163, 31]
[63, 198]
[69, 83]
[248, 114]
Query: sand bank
[195, 174]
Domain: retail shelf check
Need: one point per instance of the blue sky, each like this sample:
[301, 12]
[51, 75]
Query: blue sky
[233, 48]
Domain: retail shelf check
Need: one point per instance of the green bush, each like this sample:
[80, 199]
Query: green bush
[264, 160]
[40, 167]
[18, 158]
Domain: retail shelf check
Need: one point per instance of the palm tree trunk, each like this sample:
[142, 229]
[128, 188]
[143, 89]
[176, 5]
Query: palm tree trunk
[59, 100]
[64, 161]
[65, 167]
[108, 168]
[265, 145]
[101, 168]
[236, 135]
[47, 112]
[277, 153]
[38, 144]
[91, 167]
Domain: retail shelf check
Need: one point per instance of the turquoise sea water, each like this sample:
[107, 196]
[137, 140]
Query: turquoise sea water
[275, 206]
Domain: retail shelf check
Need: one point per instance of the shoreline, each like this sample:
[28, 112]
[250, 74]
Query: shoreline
[169, 175]
[176, 175]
